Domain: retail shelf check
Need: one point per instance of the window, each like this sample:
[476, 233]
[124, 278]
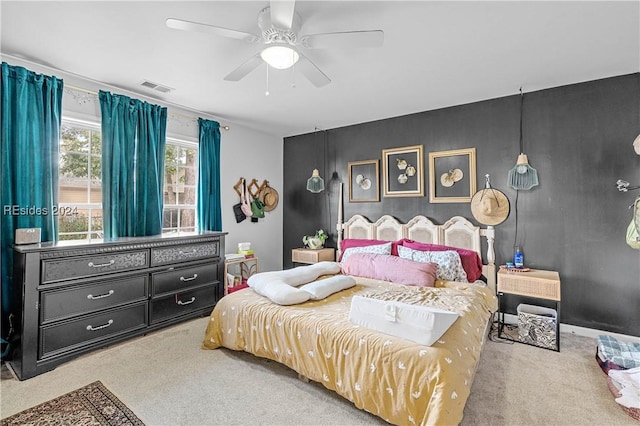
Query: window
[80, 198]
[180, 186]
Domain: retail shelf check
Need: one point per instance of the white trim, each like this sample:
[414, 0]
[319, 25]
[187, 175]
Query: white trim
[580, 331]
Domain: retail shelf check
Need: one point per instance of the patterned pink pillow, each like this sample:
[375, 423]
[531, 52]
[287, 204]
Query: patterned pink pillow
[390, 268]
[471, 262]
[360, 242]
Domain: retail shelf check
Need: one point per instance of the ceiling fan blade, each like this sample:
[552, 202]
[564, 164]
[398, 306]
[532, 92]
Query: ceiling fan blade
[312, 72]
[179, 24]
[282, 13]
[343, 40]
[245, 68]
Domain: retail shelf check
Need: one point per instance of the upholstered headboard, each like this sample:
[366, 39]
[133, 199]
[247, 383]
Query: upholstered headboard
[455, 232]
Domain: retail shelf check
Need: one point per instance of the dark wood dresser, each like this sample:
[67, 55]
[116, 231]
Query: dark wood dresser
[80, 296]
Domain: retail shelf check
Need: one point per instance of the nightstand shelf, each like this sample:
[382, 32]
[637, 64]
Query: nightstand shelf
[535, 284]
[311, 256]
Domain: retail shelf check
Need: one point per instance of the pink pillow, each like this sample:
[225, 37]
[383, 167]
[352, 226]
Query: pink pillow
[471, 262]
[390, 268]
[358, 242]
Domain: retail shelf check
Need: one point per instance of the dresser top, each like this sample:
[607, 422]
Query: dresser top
[153, 240]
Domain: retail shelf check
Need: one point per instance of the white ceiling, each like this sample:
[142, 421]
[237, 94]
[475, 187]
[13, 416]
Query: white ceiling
[435, 54]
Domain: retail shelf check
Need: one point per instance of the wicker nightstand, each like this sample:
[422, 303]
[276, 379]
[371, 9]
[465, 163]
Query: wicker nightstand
[535, 283]
[311, 256]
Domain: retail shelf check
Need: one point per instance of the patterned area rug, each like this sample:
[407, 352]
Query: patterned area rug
[90, 405]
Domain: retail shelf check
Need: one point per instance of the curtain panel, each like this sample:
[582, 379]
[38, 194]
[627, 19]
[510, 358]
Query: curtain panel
[30, 119]
[208, 204]
[133, 145]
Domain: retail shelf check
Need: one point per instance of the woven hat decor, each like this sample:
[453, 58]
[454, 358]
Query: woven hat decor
[490, 206]
[269, 197]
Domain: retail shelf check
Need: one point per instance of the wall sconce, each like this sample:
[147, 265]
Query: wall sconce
[522, 176]
[315, 183]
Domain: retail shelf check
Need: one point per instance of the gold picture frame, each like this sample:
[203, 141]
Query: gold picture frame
[363, 181]
[452, 176]
[403, 171]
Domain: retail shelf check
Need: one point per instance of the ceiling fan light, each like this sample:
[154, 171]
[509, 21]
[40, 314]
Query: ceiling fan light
[280, 57]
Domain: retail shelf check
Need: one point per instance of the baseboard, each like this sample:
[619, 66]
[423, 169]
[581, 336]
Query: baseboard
[580, 331]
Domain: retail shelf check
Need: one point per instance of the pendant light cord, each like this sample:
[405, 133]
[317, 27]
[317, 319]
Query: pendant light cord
[515, 238]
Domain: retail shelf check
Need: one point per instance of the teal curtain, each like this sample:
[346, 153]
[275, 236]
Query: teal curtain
[133, 144]
[150, 155]
[209, 211]
[30, 117]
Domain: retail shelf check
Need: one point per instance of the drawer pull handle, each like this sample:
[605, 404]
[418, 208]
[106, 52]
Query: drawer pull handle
[180, 302]
[184, 280]
[100, 296]
[92, 328]
[187, 253]
[102, 265]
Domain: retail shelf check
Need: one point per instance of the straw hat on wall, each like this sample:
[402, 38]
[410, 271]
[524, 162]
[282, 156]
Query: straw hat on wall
[490, 206]
[269, 197]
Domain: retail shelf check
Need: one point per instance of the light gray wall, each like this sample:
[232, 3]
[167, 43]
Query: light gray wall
[244, 152]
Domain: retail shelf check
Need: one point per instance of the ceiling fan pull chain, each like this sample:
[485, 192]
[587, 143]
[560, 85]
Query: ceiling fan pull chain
[293, 76]
[266, 93]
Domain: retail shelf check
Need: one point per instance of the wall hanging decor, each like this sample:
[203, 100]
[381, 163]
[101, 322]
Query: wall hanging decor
[452, 176]
[402, 171]
[363, 181]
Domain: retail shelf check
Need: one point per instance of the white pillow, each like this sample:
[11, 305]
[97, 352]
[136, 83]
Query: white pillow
[375, 249]
[296, 276]
[282, 293]
[326, 287]
[448, 261]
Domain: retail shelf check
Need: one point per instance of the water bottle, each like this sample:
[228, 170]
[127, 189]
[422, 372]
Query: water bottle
[518, 259]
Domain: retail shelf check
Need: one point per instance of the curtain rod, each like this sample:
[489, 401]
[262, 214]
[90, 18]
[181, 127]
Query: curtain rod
[92, 92]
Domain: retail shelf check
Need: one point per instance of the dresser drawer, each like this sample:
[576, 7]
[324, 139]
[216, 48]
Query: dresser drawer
[183, 278]
[87, 266]
[84, 299]
[68, 335]
[182, 303]
[183, 253]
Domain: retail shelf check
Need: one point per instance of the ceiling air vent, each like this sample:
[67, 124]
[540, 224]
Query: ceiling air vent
[155, 86]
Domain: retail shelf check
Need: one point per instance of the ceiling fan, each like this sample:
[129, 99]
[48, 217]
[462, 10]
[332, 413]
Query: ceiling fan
[279, 24]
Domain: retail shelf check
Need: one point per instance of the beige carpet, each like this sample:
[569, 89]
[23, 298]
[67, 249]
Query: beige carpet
[166, 379]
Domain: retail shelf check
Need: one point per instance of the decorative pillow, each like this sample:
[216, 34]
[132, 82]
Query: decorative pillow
[471, 262]
[359, 242]
[390, 268]
[375, 249]
[449, 263]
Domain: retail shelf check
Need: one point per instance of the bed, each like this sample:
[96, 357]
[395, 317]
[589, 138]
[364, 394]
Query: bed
[393, 378]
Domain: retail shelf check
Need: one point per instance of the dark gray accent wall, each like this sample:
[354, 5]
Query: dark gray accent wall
[578, 137]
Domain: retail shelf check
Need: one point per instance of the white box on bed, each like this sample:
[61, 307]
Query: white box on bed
[421, 324]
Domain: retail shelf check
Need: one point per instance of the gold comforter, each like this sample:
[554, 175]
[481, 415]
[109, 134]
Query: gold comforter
[395, 379]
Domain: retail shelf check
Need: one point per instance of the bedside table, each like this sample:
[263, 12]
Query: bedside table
[236, 273]
[536, 284]
[311, 256]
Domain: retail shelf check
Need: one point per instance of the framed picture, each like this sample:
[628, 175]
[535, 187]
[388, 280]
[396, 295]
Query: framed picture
[452, 176]
[402, 171]
[363, 181]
